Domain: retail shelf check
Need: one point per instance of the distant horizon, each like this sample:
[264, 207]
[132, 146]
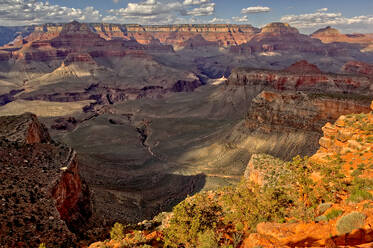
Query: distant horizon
[183, 24]
[306, 16]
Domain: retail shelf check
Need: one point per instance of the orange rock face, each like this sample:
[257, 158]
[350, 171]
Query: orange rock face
[72, 196]
[350, 138]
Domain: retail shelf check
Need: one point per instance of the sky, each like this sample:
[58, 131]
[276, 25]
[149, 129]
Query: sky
[307, 15]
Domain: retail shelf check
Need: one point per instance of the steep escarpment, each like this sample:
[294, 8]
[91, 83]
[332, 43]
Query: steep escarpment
[294, 104]
[78, 38]
[278, 111]
[301, 80]
[44, 199]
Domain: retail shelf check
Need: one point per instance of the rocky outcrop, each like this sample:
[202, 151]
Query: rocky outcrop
[303, 67]
[50, 203]
[278, 111]
[357, 67]
[271, 235]
[261, 165]
[349, 135]
[301, 79]
[330, 35]
[348, 140]
[278, 28]
[24, 129]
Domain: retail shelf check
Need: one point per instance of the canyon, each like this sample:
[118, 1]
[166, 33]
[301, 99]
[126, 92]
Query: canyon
[152, 114]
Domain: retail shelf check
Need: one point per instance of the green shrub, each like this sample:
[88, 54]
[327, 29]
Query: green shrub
[138, 237]
[116, 232]
[208, 239]
[350, 222]
[334, 213]
[359, 189]
[192, 217]
[360, 195]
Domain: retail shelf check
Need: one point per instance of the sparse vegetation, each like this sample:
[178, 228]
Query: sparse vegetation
[350, 222]
[192, 217]
[208, 239]
[334, 213]
[116, 232]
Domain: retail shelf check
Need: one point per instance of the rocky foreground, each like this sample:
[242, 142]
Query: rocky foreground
[43, 198]
[322, 201]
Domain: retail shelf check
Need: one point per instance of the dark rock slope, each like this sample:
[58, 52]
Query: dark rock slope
[42, 196]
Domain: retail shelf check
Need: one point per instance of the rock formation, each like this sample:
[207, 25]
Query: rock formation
[330, 35]
[278, 111]
[349, 139]
[43, 198]
[302, 77]
[357, 67]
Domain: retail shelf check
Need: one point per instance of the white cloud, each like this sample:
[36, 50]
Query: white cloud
[205, 9]
[255, 9]
[240, 18]
[26, 12]
[218, 20]
[322, 19]
[148, 8]
[322, 10]
[195, 2]
[161, 11]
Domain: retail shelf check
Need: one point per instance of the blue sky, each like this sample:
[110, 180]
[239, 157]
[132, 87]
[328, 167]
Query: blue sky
[307, 15]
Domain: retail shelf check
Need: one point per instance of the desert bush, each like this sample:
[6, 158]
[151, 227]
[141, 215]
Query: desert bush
[192, 217]
[208, 239]
[350, 222]
[359, 190]
[138, 237]
[359, 196]
[334, 213]
[116, 232]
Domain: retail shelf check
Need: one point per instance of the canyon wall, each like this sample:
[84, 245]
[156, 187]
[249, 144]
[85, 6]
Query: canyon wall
[294, 104]
[302, 81]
